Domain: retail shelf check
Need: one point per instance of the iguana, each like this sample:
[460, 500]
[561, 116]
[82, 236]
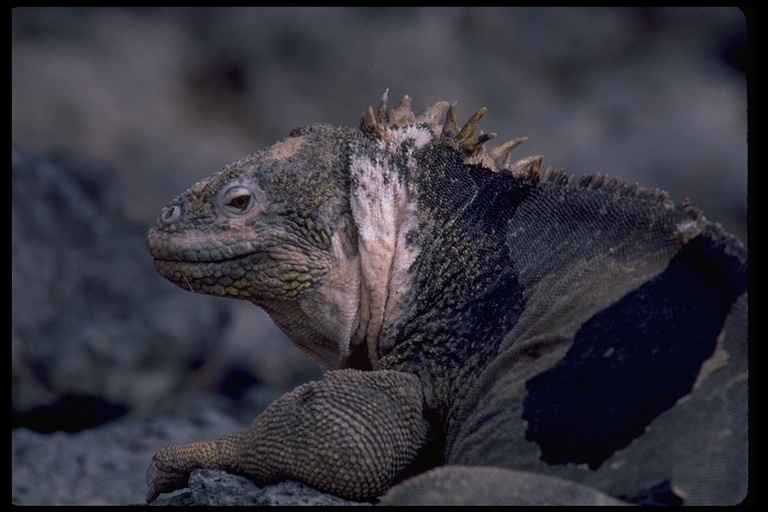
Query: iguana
[535, 337]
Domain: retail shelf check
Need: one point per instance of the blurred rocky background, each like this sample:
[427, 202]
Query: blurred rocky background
[115, 111]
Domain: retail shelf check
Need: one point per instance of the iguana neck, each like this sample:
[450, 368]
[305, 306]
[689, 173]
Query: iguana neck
[384, 207]
[426, 280]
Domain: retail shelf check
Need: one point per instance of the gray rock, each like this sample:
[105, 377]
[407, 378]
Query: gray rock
[106, 465]
[216, 488]
[100, 466]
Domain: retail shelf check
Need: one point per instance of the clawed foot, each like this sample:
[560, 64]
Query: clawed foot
[164, 474]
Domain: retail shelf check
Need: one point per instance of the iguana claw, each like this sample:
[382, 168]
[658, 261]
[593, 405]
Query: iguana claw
[163, 475]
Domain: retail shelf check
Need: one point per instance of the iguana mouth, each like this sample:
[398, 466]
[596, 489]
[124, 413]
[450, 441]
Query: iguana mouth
[196, 247]
[199, 259]
[264, 274]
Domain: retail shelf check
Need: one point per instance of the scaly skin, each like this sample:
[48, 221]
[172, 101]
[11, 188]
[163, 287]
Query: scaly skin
[559, 340]
[350, 450]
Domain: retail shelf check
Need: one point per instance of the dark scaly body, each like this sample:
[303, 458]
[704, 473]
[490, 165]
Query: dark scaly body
[579, 329]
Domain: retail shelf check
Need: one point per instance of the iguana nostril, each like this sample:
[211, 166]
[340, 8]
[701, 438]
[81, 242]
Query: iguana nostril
[170, 214]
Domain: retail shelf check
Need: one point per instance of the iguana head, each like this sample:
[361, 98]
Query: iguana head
[274, 228]
[314, 228]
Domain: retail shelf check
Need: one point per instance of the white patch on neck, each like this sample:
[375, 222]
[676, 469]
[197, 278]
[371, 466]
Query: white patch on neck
[384, 210]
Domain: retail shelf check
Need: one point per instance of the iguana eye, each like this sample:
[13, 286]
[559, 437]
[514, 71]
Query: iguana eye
[240, 202]
[238, 199]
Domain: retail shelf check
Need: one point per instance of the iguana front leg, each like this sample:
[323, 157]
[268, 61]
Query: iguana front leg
[349, 434]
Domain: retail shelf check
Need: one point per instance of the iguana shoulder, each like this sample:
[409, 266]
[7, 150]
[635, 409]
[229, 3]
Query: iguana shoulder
[568, 332]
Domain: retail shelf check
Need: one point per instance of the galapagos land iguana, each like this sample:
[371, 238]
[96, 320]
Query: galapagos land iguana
[554, 340]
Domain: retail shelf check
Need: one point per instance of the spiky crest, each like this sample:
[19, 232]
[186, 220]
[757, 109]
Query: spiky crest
[380, 124]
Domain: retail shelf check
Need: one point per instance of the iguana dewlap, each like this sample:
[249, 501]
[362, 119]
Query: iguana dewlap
[554, 340]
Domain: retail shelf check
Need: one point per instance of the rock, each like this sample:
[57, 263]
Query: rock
[101, 466]
[106, 465]
[217, 488]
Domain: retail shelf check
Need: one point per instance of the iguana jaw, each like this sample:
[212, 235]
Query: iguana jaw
[327, 320]
[316, 303]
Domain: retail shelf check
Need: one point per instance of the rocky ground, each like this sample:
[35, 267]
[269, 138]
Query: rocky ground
[115, 111]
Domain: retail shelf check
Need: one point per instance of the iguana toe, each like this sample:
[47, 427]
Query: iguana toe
[164, 476]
